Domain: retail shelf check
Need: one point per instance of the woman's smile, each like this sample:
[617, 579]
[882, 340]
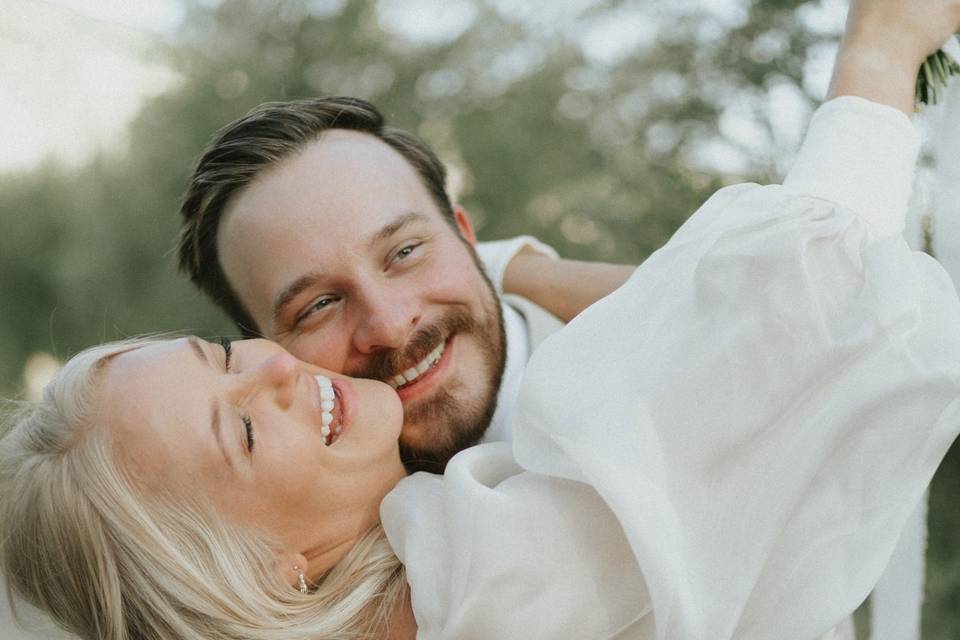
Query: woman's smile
[334, 408]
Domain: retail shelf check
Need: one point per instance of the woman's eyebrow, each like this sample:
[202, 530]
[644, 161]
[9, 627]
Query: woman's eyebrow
[198, 350]
[218, 432]
[197, 347]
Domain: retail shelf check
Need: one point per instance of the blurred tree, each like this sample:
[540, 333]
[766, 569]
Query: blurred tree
[597, 156]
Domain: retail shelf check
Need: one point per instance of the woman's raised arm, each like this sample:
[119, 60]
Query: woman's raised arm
[885, 43]
[562, 287]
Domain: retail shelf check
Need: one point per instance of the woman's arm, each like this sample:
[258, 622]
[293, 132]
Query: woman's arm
[885, 43]
[562, 287]
[859, 152]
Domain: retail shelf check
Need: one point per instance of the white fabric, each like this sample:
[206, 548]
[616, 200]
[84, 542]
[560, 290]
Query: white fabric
[952, 48]
[845, 163]
[896, 602]
[518, 352]
[728, 446]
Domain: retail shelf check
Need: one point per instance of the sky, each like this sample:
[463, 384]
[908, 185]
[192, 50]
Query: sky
[74, 72]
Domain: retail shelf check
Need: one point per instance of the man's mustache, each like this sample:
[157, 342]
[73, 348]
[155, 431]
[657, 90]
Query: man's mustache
[385, 364]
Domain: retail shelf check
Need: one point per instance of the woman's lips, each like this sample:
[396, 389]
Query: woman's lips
[343, 409]
[334, 400]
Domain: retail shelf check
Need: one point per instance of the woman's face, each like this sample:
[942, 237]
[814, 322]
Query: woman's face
[249, 434]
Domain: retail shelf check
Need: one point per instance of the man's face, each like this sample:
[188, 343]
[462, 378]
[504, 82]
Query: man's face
[340, 254]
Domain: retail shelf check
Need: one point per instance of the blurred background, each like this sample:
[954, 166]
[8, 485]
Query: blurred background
[596, 125]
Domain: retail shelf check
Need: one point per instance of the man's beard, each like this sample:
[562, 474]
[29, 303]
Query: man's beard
[447, 424]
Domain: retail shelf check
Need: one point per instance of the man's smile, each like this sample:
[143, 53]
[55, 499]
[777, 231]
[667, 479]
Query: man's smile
[414, 372]
[437, 364]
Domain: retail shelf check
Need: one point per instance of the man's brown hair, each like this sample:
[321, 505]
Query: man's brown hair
[259, 140]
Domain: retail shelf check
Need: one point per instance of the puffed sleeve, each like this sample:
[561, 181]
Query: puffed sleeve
[763, 403]
[492, 552]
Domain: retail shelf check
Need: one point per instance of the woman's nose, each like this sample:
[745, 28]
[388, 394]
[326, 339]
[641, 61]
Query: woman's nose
[277, 374]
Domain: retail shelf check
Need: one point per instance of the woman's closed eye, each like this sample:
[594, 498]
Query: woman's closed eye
[248, 426]
[227, 345]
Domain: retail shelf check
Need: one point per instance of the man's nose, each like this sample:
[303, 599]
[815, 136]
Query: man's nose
[276, 375]
[387, 322]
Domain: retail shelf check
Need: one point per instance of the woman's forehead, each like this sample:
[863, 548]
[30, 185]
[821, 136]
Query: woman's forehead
[152, 399]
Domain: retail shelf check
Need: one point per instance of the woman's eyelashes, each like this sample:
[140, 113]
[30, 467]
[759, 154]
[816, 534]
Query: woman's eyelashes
[226, 343]
[248, 425]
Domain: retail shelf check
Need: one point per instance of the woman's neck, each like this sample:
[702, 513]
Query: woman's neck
[404, 625]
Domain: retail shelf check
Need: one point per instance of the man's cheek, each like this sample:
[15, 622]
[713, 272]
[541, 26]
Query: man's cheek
[320, 352]
[460, 282]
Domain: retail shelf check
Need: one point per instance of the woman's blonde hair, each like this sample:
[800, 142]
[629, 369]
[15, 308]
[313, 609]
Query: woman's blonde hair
[80, 541]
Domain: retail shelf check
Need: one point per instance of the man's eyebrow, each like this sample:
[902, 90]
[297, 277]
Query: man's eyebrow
[291, 291]
[396, 225]
[217, 432]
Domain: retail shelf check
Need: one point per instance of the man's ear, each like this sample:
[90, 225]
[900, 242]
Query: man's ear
[462, 219]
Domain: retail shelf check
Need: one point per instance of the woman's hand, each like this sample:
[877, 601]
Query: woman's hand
[562, 287]
[909, 30]
[884, 45]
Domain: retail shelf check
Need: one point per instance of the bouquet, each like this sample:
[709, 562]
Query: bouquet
[936, 71]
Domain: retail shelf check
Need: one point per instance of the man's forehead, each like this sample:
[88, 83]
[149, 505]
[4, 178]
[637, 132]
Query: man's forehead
[346, 177]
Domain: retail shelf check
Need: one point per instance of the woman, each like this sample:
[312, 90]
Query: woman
[726, 447]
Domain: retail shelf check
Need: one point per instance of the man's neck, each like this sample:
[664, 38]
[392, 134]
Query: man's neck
[518, 351]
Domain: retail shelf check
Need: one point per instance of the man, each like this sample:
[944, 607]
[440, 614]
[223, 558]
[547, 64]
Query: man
[314, 224]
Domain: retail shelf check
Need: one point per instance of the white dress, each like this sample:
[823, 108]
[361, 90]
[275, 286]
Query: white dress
[728, 445]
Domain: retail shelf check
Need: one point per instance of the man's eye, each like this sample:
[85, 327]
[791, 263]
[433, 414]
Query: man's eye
[406, 252]
[319, 305]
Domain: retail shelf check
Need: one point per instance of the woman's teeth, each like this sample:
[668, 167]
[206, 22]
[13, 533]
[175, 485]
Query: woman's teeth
[415, 371]
[327, 397]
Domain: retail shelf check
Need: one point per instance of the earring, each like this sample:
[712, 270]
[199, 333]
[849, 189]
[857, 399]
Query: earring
[302, 579]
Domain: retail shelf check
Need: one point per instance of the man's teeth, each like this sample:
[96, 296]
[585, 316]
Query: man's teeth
[326, 404]
[415, 371]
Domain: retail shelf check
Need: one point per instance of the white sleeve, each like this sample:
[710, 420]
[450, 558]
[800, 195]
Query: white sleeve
[765, 400]
[860, 155]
